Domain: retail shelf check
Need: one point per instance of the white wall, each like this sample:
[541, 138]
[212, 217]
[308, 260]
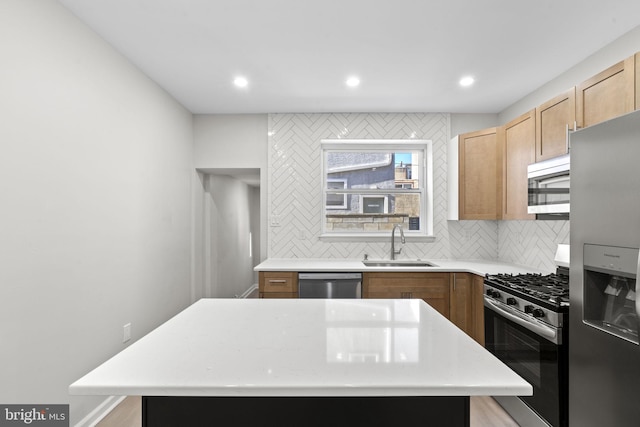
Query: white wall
[230, 205]
[230, 141]
[95, 184]
[463, 123]
[609, 55]
[235, 141]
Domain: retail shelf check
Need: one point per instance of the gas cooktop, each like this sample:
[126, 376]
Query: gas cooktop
[551, 290]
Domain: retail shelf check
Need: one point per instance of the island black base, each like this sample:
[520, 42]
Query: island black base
[171, 411]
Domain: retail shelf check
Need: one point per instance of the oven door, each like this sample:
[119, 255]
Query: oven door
[536, 359]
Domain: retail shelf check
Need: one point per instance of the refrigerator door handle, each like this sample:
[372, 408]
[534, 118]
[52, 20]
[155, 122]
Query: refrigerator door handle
[638, 289]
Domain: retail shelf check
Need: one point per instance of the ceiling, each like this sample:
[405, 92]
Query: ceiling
[408, 54]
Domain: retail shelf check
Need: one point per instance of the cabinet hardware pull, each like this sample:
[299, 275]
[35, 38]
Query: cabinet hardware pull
[277, 281]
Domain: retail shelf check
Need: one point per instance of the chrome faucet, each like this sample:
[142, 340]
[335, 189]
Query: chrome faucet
[393, 243]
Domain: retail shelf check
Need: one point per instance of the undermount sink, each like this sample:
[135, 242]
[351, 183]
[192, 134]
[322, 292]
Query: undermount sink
[398, 263]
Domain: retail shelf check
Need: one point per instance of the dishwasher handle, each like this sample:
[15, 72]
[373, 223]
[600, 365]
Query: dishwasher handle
[329, 276]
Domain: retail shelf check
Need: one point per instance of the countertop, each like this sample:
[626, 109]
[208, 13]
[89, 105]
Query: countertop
[480, 267]
[298, 347]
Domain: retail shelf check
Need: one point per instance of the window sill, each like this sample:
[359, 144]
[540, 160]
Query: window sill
[362, 237]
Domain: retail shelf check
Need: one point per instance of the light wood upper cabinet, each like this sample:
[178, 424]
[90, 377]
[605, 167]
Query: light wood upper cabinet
[433, 288]
[518, 139]
[608, 94]
[480, 175]
[553, 119]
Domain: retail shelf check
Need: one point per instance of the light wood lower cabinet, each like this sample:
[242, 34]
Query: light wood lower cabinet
[637, 87]
[467, 304]
[457, 296]
[462, 301]
[433, 288]
[278, 284]
[478, 308]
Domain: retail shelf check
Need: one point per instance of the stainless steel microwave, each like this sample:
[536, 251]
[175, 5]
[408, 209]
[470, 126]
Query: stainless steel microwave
[549, 188]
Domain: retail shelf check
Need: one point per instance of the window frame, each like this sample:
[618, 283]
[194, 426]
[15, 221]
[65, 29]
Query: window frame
[425, 177]
[344, 197]
[385, 202]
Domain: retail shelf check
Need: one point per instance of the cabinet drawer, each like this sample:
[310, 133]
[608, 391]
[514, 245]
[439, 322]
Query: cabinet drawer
[278, 282]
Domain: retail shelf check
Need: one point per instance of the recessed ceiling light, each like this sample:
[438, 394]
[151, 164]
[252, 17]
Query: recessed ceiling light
[240, 82]
[467, 81]
[353, 81]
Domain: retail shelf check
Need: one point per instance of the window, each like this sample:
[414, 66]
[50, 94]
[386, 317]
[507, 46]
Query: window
[371, 185]
[336, 200]
[374, 204]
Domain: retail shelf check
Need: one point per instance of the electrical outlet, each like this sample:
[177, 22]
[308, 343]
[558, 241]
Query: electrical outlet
[126, 332]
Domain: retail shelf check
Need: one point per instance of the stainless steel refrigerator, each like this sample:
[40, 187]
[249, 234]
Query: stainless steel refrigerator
[604, 355]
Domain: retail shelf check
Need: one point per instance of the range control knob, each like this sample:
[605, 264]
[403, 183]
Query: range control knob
[528, 309]
[538, 312]
[511, 301]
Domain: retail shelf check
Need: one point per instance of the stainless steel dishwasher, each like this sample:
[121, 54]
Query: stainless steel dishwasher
[330, 285]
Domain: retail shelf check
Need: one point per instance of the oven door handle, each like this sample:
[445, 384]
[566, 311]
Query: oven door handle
[531, 324]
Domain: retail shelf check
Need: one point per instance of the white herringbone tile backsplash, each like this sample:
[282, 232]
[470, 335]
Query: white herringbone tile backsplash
[295, 197]
[532, 243]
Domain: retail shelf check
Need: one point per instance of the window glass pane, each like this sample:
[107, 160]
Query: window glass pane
[382, 189]
[373, 169]
[336, 200]
[374, 204]
[376, 213]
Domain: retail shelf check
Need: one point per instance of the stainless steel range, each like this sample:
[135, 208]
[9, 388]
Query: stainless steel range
[526, 326]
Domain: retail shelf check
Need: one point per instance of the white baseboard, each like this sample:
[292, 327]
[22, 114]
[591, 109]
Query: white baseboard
[249, 291]
[101, 411]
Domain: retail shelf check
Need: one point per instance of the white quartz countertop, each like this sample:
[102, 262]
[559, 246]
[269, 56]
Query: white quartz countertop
[304, 347]
[480, 267]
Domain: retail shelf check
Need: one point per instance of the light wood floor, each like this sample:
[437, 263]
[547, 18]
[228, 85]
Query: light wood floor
[485, 412]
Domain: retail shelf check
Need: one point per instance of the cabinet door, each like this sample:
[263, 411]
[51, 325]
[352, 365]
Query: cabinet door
[518, 138]
[553, 119]
[606, 95]
[637, 86]
[477, 302]
[461, 302]
[480, 175]
[433, 288]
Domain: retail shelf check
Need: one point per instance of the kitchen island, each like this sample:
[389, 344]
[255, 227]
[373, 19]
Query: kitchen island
[304, 362]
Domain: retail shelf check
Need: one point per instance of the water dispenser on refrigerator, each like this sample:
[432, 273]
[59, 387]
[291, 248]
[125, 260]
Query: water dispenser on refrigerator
[610, 290]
